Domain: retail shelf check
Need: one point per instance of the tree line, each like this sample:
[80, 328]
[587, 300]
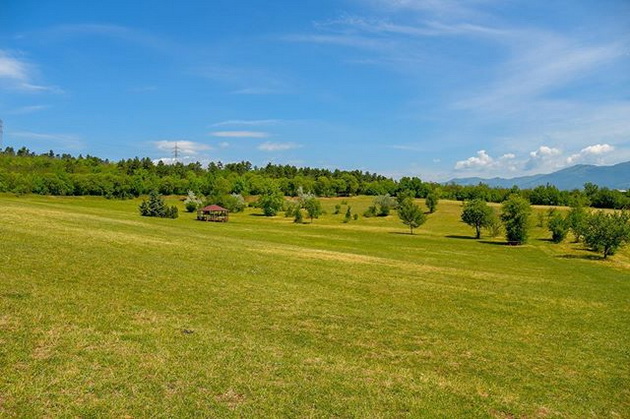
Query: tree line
[23, 172]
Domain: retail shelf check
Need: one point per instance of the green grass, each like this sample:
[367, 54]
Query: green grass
[106, 313]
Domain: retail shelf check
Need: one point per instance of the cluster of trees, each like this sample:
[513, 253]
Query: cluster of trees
[155, 206]
[600, 231]
[23, 171]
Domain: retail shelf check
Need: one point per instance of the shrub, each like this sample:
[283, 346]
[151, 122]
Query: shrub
[558, 226]
[384, 204]
[432, 200]
[607, 232]
[156, 207]
[515, 214]
[337, 209]
[577, 220]
[411, 214]
[371, 211]
[192, 202]
[299, 218]
[348, 216]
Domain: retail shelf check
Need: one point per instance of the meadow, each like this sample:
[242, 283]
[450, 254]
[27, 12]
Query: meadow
[106, 313]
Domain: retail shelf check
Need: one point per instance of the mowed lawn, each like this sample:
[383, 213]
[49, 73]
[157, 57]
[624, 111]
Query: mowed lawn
[106, 313]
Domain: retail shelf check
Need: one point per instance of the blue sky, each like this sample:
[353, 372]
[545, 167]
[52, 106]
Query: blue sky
[429, 88]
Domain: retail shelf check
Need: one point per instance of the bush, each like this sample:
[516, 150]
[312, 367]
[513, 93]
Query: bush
[515, 214]
[607, 232]
[371, 211]
[576, 220]
[192, 202]
[156, 207]
[337, 209]
[348, 216]
[432, 200]
[299, 218]
[558, 226]
[383, 204]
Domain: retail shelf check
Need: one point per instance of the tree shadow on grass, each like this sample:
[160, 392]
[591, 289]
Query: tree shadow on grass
[257, 215]
[460, 237]
[497, 243]
[583, 257]
[402, 233]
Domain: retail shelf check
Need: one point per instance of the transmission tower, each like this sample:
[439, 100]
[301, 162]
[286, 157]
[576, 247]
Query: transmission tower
[176, 151]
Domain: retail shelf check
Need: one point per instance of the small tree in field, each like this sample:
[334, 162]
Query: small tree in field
[607, 232]
[494, 224]
[192, 202]
[411, 214]
[558, 226]
[384, 204]
[156, 207]
[576, 220]
[313, 207]
[432, 200]
[515, 213]
[299, 218]
[271, 201]
[477, 214]
[348, 216]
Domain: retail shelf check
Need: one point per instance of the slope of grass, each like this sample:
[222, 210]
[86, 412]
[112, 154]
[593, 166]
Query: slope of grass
[106, 313]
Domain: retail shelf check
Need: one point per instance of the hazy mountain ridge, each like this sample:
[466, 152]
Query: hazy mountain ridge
[574, 177]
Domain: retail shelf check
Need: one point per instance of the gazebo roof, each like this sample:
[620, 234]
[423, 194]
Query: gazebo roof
[213, 208]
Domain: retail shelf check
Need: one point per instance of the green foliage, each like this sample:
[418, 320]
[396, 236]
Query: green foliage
[558, 225]
[411, 214]
[384, 204]
[477, 214]
[607, 232]
[155, 206]
[515, 213]
[313, 207]
[271, 201]
[337, 209]
[494, 226]
[371, 211]
[192, 202]
[432, 200]
[348, 216]
[299, 217]
[232, 202]
[576, 220]
[355, 217]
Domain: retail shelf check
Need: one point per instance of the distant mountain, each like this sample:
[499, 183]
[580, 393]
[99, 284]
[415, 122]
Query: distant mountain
[574, 177]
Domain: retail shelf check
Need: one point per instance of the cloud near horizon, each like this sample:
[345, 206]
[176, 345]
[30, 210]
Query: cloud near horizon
[544, 158]
[183, 147]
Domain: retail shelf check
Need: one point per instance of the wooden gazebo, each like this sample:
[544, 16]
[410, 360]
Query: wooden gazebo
[213, 213]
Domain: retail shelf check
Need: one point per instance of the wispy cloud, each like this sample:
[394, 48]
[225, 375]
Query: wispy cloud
[269, 146]
[28, 109]
[248, 122]
[18, 74]
[183, 146]
[240, 134]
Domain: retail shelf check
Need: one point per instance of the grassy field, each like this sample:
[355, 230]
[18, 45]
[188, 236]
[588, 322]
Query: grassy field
[106, 313]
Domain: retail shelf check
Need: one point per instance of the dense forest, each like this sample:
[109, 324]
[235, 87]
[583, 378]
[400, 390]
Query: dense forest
[23, 172]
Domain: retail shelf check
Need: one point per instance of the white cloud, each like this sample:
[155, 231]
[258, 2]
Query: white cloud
[269, 146]
[544, 152]
[481, 160]
[16, 73]
[224, 144]
[591, 153]
[240, 134]
[183, 147]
